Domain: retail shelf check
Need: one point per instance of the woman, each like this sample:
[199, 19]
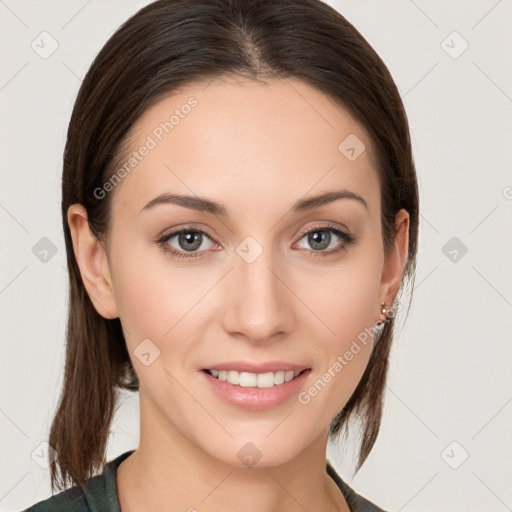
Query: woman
[240, 211]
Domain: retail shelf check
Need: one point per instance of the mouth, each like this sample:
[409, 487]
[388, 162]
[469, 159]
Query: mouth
[256, 386]
[255, 380]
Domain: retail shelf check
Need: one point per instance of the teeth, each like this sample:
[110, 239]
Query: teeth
[252, 380]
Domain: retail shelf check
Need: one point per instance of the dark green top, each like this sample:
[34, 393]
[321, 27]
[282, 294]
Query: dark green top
[100, 494]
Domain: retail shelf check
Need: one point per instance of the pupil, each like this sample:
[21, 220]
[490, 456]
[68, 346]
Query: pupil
[192, 238]
[317, 239]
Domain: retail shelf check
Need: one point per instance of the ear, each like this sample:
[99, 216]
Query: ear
[394, 263]
[92, 261]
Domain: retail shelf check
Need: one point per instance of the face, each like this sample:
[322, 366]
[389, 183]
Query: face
[263, 281]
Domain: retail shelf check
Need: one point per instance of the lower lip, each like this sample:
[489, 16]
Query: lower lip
[256, 399]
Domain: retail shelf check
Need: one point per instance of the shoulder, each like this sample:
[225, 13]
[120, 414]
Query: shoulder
[98, 493]
[356, 502]
[70, 500]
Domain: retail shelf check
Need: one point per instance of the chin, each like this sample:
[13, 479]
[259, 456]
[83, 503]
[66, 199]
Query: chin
[257, 452]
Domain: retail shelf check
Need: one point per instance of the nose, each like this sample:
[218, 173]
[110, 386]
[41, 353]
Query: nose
[258, 301]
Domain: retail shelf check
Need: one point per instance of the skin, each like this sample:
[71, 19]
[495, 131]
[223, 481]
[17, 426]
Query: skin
[256, 149]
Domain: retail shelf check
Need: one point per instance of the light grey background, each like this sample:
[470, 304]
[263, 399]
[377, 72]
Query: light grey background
[449, 392]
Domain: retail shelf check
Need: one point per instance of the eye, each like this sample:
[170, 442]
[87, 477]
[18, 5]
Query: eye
[190, 243]
[187, 244]
[321, 238]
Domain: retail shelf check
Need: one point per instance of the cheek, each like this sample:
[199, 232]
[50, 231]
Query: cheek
[162, 303]
[344, 301]
[149, 295]
[146, 286]
[341, 357]
[152, 308]
[344, 297]
[138, 296]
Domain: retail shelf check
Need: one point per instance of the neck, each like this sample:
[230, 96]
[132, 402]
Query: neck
[169, 469]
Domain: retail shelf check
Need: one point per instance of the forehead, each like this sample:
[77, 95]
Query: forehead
[244, 142]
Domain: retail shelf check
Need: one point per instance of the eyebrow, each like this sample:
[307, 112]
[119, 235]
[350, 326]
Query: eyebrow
[206, 205]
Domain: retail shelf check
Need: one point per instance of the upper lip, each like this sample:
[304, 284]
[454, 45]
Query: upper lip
[264, 367]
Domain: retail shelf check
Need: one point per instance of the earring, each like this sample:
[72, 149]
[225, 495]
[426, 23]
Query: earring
[385, 313]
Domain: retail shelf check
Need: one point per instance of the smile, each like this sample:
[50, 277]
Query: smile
[254, 380]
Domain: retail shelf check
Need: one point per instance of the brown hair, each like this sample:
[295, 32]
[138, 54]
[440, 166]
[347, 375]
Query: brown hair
[163, 47]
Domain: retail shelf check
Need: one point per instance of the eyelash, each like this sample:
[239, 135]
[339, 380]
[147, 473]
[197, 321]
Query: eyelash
[347, 239]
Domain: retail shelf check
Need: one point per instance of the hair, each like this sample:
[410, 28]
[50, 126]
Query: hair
[159, 50]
